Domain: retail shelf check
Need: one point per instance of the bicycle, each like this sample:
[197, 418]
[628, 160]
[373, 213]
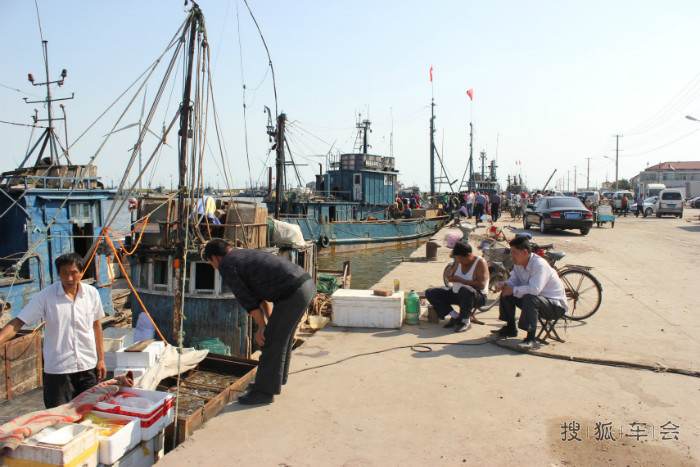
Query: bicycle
[584, 293]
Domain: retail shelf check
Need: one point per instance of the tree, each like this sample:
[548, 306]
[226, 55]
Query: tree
[622, 184]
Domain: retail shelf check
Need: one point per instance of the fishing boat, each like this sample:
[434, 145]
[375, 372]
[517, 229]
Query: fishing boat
[173, 286]
[49, 206]
[350, 207]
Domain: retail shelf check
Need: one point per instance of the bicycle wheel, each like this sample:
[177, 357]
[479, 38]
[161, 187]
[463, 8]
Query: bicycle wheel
[583, 293]
[493, 297]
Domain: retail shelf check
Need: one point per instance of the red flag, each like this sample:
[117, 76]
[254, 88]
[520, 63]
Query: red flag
[470, 93]
[431, 73]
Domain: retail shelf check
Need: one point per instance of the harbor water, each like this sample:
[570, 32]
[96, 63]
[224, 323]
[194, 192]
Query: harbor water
[368, 266]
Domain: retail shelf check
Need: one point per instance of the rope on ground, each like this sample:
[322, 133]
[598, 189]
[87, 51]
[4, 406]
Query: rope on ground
[659, 368]
[425, 347]
[421, 348]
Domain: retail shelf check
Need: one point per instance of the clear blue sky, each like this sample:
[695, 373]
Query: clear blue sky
[553, 81]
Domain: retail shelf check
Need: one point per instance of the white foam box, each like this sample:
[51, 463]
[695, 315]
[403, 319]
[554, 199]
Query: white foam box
[144, 359]
[79, 451]
[145, 454]
[153, 418]
[114, 338]
[112, 448]
[363, 309]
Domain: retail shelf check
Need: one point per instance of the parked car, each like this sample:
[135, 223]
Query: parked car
[670, 202]
[693, 202]
[558, 212]
[650, 206]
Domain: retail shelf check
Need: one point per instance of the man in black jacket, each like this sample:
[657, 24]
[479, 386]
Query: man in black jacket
[258, 279]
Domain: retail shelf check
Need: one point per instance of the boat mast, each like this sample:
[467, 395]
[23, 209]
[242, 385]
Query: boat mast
[432, 147]
[49, 136]
[279, 136]
[185, 111]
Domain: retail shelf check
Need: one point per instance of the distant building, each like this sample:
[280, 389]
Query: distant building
[680, 174]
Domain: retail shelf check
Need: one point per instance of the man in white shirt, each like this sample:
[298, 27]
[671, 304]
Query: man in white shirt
[470, 203]
[534, 287]
[73, 354]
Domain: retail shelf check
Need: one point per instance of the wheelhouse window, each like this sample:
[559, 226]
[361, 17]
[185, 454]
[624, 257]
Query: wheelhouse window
[80, 211]
[204, 278]
[143, 275]
[160, 274]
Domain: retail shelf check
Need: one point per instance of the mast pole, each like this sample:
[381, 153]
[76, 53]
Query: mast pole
[280, 162]
[471, 156]
[180, 247]
[432, 147]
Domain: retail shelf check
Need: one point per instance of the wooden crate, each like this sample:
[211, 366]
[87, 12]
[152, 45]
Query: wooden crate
[242, 368]
[21, 368]
[254, 219]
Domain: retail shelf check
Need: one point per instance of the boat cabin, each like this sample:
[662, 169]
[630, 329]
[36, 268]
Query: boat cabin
[45, 212]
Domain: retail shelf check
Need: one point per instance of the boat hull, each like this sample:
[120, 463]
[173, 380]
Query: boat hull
[355, 235]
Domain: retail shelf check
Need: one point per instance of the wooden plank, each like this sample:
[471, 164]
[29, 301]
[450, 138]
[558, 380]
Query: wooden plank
[139, 346]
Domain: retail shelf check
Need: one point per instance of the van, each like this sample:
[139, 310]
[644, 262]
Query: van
[617, 199]
[670, 202]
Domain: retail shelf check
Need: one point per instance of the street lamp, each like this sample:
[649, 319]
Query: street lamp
[614, 160]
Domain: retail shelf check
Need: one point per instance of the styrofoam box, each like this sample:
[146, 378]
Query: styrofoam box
[115, 446]
[114, 338]
[110, 360]
[144, 359]
[81, 450]
[145, 454]
[363, 309]
[137, 372]
[153, 419]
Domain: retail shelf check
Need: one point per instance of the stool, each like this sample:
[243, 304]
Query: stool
[548, 330]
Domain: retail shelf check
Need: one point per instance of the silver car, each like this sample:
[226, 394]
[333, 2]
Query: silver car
[650, 206]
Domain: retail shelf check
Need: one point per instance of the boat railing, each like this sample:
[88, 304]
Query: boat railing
[41, 181]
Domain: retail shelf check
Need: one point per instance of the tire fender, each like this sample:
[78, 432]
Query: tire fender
[324, 241]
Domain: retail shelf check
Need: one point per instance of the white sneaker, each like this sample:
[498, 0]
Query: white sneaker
[529, 344]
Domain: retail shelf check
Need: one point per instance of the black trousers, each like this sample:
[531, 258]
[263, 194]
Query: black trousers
[442, 299]
[495, 211]
[478, 212]
[63, 388]
[273, 366]
[532, 305]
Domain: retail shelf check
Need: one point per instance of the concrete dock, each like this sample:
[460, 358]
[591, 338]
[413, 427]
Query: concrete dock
[371, 397]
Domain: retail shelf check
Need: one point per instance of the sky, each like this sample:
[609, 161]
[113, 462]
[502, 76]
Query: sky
[553, 82]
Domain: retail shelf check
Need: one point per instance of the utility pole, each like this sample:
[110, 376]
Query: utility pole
[617, 156]
[588, 174]
[568, 181]
[574, 178]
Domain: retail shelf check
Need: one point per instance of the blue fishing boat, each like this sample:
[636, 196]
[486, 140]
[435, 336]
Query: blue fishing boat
[181, 293]
[49, 206]
[351, 207]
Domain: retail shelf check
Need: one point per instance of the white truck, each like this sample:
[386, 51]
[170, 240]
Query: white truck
[653, 189]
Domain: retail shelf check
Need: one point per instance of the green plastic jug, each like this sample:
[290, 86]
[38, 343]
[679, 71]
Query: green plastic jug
[412, 308]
